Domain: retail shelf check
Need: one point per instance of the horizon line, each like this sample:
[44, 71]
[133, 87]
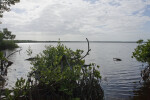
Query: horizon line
[37, 41]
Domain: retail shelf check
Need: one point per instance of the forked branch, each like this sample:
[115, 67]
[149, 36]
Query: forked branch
[87, 53]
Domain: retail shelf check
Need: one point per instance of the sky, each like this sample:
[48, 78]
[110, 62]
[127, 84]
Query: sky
[74, 20]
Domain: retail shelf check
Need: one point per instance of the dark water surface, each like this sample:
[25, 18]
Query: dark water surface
[120, 80]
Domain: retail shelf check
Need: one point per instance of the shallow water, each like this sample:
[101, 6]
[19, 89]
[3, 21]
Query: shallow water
[120, 79]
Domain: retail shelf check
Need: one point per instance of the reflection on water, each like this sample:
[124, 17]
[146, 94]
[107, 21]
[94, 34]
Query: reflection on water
[142, 92]
[119, 79]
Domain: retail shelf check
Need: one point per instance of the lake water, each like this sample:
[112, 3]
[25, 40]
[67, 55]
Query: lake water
[119, 79]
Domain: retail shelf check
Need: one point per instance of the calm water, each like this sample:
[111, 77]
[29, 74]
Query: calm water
[119, 79]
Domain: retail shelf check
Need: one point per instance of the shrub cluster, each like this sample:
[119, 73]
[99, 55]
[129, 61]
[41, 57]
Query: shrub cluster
[142, 54]
[8, 44]
[59, 73]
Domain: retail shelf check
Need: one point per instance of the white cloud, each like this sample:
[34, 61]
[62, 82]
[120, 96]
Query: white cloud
[70, 18]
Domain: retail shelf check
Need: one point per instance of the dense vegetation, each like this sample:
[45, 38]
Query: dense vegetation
[142, 54]
[5, 43]
[59, 73]
[6, 40]
[6, 35]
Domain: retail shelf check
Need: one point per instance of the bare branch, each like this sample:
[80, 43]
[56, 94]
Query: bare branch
[65, 58]
[14, 53]
[87, 51]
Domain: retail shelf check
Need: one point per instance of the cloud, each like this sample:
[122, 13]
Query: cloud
[96, 18]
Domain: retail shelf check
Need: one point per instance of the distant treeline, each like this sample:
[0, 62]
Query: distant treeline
[33, 41]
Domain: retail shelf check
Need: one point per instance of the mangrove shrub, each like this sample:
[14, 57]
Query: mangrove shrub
[59, 73]
[142, 54]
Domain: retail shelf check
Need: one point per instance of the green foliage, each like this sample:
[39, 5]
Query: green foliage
[6, 40]
[5, 5]
[2, 57]
[59, 73]
[142, 51]
[8, 44]
[5, 34]
[19, 92]
[142, 54]
[62, 69]
[139, 41]
[1, 37]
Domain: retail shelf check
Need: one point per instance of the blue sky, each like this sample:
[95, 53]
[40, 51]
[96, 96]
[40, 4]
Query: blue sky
[100, 20]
